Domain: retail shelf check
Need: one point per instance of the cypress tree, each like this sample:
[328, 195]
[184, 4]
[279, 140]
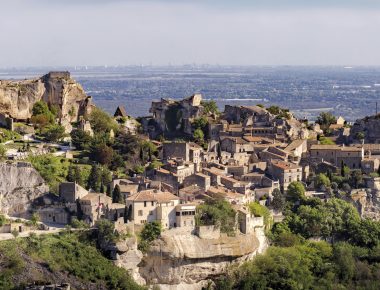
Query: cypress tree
[70, 174]
[78, 176]
[117, 197]
[94, 179]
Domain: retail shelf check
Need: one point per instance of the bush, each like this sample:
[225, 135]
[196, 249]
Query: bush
[218, 213]
[259, 210]
[149, 233]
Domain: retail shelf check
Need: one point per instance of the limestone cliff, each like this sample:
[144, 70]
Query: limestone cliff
[55, 88]
[20, 185]
[180, 260]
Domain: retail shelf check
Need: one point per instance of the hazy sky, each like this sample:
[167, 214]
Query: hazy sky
[246, 32]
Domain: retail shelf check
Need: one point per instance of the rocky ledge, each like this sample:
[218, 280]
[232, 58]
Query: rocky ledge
[181, 260]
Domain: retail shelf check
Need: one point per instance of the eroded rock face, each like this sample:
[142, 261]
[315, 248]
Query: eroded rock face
[184, 261]
[56, 88]
[20, 185]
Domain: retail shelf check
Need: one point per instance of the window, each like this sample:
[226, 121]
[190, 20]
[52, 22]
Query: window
[177, 213]
[144, 203]
[151, 212]
[140, 212]
[152, 203]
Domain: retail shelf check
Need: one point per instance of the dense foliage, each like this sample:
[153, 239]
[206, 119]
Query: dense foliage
[350, 260]
[217, 212]
[53, 169]
[64, 254]
[311, 265]
[149, 233]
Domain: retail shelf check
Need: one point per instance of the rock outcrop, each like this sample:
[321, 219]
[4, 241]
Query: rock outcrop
[20, 185]
[368, 127]
[179, 260]
[55, 88]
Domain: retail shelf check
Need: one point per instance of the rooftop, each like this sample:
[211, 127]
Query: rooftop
[152, 195]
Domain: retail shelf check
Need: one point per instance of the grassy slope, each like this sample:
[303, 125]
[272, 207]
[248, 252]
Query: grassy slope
[58, 259]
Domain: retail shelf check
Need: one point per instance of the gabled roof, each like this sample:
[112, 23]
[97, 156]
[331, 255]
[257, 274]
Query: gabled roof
[120, 112]
[152, 195]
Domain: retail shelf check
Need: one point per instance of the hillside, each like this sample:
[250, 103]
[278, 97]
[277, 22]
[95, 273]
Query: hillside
[65, 258]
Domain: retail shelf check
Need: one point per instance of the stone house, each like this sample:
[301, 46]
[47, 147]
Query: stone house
[338, 155]
[237, 170]
[235, 145]
[57, 215]
[152, 205]
[370, 164]
[185, 215]
[285, 172]
[296, 149]
[273, 153]
[229, 195]
[94, 206]
[127, 187]
[71, 191]
[191, 193]
[248, 223]
[199, 179]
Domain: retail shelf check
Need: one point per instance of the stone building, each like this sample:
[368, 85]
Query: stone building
[285, 172]
[338, 155]
[57, 215]
[94, 206]
[185, 215]
[71, 191]
[152, 205]
[199, 179]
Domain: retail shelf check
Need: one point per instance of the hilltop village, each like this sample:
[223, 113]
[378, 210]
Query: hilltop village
[181, 179]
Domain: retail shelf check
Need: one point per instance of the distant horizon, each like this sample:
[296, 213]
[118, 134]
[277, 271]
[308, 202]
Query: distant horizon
[220, 32]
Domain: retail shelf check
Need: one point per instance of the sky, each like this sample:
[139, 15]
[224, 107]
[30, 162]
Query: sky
[162, 32]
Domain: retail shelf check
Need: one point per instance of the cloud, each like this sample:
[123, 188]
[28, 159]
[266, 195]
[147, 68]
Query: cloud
[116, 32]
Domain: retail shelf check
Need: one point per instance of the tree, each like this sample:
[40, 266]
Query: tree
[101, 121]
[78, 178]
[360, 136]
[15, 233]
[94, 179]
[198, 136]
[278, 201]
[325, 119]
[217, 212]
[35, 219]
[210, 107]
[70, 174]
[106, 232]
[117, 196]
[295, 192]
[149, 233]
[2, 220]
[101, 153]
[128, 213]
[322, 182]
[80, 139]
[54, 133]
[356, 178]
[3, 152]
[259, 210]
[40, 108]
